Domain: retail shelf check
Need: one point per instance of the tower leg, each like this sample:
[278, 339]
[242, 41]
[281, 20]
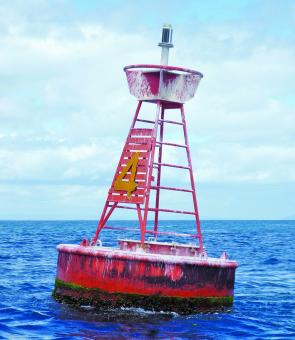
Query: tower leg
[192, 179]
[159, 173]
[150, 173]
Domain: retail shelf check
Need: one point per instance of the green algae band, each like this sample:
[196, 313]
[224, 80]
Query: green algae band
[77, 295]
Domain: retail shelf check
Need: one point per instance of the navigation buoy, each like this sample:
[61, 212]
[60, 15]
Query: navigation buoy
[143, 272]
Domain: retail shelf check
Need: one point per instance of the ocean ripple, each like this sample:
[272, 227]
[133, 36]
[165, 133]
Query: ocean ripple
[264, 306]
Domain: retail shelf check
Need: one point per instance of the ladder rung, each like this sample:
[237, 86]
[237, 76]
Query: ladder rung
[170, 188]
[124, 207]
[145, 121]
[173, 211]
[173, 166]
[172, 144]
[163, 210]
[170, 121]
[171, 233]
[152, 231]
[160, 120]
[138, 140]
[141, 132]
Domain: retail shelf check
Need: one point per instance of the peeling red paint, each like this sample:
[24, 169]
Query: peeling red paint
[162, 82]
[134, 273]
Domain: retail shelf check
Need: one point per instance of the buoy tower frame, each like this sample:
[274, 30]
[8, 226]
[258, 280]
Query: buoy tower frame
[165, 96]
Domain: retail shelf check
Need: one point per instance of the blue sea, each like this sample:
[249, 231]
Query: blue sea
[264, 306]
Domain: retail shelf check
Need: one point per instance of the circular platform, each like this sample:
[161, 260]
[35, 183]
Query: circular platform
[160, 82]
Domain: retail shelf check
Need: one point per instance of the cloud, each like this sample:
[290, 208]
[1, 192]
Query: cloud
[81, 164]
[254, 164]
[65, 109]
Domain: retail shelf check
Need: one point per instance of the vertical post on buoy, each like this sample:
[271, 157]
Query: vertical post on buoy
[166, 43]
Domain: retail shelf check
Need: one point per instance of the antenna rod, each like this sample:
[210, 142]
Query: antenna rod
[166, 43]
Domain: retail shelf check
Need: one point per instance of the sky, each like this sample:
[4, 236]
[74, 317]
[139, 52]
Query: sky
[65, 108]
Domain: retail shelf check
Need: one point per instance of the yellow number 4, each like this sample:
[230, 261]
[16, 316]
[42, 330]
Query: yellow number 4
[129, 185]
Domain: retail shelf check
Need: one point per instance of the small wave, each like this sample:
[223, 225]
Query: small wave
[11, 310]
[271, 260]
[5, 257]
[145, 311]
[263, 306]
[40, 315]
[87, 307]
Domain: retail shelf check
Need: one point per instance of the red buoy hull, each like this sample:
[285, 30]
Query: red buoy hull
[101, 275]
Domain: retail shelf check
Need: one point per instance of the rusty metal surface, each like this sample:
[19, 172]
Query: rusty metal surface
[158, 82]
[145, 274]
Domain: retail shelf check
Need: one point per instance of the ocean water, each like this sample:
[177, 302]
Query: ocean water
[264, 306]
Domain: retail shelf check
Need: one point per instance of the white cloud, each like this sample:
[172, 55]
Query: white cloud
[237, 163]
[86, 164]
[65, 108]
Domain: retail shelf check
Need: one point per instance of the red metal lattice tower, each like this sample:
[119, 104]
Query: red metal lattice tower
[138, 173]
